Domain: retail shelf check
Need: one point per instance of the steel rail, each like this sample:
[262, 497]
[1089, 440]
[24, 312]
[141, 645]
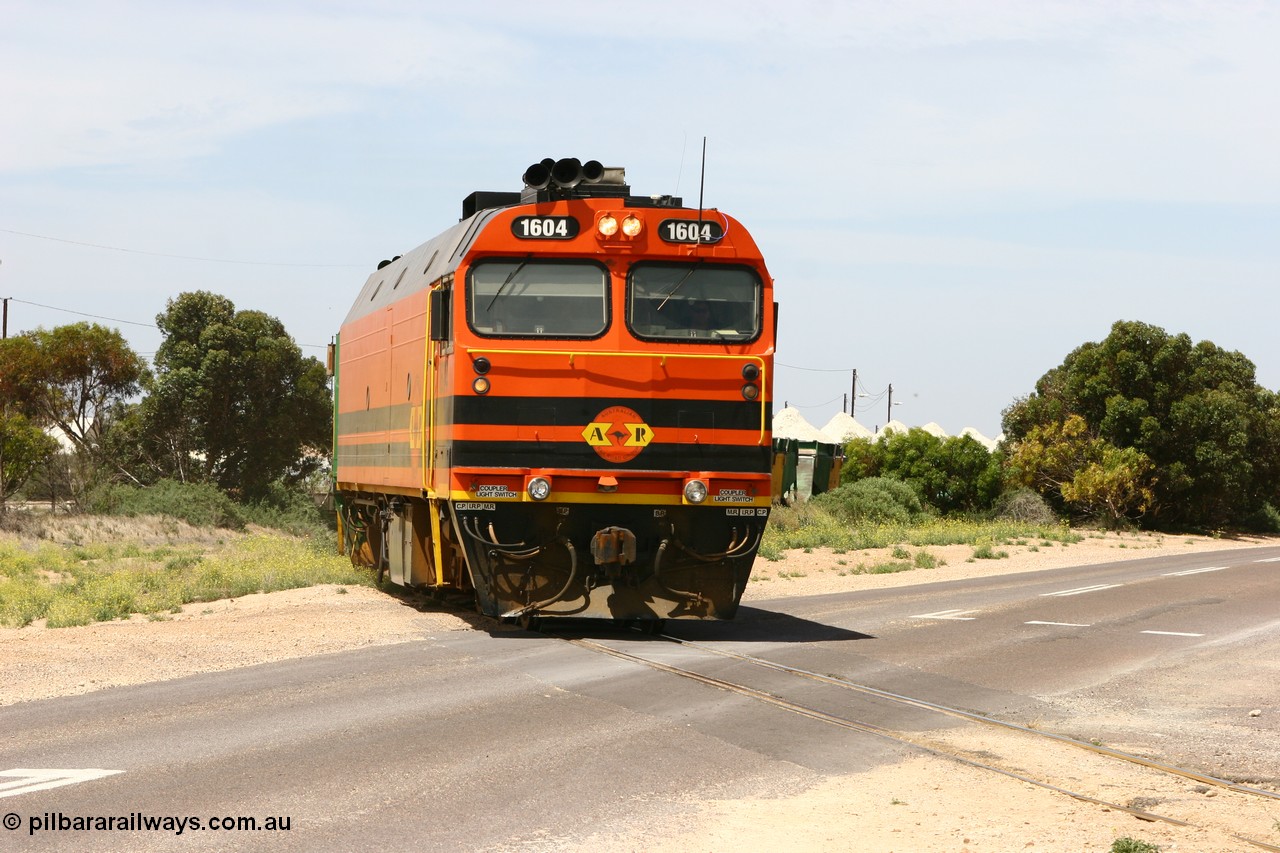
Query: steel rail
[898, 738]
[990, 721]
[866, 728]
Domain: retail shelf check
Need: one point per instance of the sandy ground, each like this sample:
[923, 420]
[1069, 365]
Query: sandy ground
[923, 803]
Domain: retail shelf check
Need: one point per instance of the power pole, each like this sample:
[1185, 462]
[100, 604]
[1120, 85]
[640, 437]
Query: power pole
[889, 412]
[853, 395]
[5, 333]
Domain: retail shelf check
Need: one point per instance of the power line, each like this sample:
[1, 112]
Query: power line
[113, 319]
[814, 405]
[83, 314]
[178, 257]
[813, 369]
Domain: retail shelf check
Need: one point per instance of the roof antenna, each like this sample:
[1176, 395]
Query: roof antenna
[702, 182]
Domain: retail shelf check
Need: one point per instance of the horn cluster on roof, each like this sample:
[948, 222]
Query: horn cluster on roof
[568, 178]
[571, 178]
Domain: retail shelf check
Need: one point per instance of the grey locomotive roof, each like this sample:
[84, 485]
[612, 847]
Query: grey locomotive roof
[418, 268]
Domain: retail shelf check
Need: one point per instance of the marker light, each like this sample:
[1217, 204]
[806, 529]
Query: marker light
[480, 365]
[481, 385]
[539, 488]
[750, 372]
[750, 392]
[631, 226]
[607, 226]
[695, 491]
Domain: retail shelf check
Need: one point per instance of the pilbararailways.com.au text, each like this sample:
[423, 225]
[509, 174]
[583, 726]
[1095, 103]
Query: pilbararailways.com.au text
[140, 822]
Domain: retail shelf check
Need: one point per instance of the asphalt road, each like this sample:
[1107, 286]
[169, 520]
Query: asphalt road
[506, 740]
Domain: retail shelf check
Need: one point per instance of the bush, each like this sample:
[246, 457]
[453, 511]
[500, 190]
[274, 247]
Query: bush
[198, 504]
[1024, 505]
[294, 511]
[1133, 845]
[876, 499]
[1265, 519]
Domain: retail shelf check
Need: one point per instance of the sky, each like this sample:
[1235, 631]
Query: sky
[950, 196]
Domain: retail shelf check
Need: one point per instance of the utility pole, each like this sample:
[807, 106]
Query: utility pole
[5, 325]
[889, 412]
[853, 395]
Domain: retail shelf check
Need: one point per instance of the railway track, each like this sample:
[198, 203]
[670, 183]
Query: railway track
[928, 742]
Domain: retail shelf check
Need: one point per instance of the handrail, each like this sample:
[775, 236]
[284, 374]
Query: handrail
[663, 356]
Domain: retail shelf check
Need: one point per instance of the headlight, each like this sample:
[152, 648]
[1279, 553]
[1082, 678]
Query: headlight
[695, 491]
[631, 226]
[539, 488]
[607, 226]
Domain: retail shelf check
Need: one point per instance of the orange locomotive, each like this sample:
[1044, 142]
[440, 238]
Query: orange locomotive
[562, 403]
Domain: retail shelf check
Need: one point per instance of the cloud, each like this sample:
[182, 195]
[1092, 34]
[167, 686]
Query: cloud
[90, 84]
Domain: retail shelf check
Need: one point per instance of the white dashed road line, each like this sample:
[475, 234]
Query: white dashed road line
[1269, 560]
[948, 614]
[1172, 634]
[23, 780]
[1081, 590]
[1062, 624]
[1193, 571]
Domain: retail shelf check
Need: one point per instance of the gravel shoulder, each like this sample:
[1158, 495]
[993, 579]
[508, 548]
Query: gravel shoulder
[921, 803]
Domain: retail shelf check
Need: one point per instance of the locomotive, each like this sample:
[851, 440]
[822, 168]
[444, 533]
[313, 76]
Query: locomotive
[562, 405]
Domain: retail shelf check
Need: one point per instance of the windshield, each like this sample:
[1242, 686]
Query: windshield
[711, 302]
[537, 298]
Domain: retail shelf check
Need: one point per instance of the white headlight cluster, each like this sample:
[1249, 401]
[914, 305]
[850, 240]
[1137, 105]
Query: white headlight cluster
[539, 488]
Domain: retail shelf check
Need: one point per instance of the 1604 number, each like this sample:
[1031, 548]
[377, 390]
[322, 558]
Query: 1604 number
[690, 231]
[544, 227]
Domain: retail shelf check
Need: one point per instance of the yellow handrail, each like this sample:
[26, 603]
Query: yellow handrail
[663, 356]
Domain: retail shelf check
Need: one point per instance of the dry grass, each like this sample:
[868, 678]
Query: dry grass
[80, 569]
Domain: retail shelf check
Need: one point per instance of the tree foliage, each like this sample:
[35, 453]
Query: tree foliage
[1083, 473]
[24, 448]
[233, 401]
[83, 369]
[65, 379]
[955, 474]
[1192, 415]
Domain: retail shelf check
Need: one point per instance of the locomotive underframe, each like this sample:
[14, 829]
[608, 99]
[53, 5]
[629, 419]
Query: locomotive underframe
[587, 560]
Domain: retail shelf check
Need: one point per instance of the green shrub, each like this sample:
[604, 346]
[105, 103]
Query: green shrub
[1266, 519]
[293, 511]
[985, 551]
[1133, 845]
[925, 560]
[198, 504]
[890, 568]
[876, 499]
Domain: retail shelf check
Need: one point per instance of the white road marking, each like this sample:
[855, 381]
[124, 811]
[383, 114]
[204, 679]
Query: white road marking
[1194, 571]
[948, 614]
[1172, 634]
[24, 781]
[1082, 590]
[1269, 560]
[1063, 624]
